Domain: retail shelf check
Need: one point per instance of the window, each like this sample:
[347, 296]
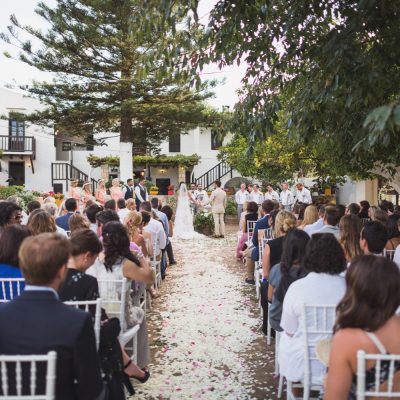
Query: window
[216, 141]
[16, 126]
[175, 143]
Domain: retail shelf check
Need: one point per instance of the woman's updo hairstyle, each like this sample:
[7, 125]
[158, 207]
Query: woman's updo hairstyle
[285, 222]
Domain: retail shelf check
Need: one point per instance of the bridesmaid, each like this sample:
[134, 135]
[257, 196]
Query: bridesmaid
[115, 190]
[86, 193]
[74, 192]
[101, 193]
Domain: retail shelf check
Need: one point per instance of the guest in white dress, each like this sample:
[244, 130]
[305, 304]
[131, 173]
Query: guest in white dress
[325, 261]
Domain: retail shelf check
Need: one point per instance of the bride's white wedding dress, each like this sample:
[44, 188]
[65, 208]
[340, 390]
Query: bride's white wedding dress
[183, 226]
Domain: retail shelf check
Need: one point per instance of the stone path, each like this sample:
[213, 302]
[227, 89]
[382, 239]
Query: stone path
[205, 330]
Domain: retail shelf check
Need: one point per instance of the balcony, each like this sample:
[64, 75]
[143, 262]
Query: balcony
[17, 145]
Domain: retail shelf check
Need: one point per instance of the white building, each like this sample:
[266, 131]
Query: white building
[33, 156]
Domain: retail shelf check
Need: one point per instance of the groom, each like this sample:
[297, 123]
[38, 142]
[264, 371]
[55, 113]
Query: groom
[218, 204]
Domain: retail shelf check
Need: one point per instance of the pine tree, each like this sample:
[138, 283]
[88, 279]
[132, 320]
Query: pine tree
[115, 70]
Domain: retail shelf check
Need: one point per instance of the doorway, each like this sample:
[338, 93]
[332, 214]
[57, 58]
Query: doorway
[162, 185]
[16, 173]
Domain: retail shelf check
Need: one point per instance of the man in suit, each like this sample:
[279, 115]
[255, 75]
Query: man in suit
[128, 189]
[218, 204]
[141, 193]
[36, 322]
[71, 207]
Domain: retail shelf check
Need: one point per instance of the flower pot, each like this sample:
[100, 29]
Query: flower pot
[328, 191]
[58, 202]
[170, 192]
[154, 192]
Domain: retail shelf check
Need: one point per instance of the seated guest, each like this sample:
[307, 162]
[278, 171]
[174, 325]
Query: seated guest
[251, 215]
[122, 210]
[373, 238]
[10, 242]
[393, 232]
[387, 207]
[310, 216]
[331, 219]
[52, 209]
[252, 254]
[318, 224]
[110, 205]
[37, 322]
[353, 208]
[380, 216]
[284, 274]
[146, 217]
[40, 221]
[71, 206]
[78, 221]
[341, 209]
[363, 214]
[167, 210]
[366, 320]
[324, 261]
[10, 214]
[31, 206]
[103, 217]
[132, 222]
[119, 262]
[91, 212]
[130, 204]
[349, 235]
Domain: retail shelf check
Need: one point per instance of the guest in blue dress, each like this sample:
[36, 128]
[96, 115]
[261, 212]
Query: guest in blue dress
[10, 242]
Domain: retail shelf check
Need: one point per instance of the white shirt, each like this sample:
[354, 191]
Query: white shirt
[258, 197]
[139, 196]
[329, 229]
[201, 196]
[287, 198]
[272, 196]
[241, 196]
[61, 231]
[316, 226]
[156, 229]
[122, 213]
[304, 196]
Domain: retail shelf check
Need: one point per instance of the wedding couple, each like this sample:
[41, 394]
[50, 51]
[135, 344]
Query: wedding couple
[183, 227]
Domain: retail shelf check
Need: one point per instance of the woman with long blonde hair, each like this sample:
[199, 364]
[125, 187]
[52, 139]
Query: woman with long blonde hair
[101, 193]
[310, 216]
[115, 190]
[133, 222]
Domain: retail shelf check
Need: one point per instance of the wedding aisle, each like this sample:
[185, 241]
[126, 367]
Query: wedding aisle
[205, 329]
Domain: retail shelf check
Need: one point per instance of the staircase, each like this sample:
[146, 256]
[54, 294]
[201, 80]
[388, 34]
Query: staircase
[63, 172]
[215, 173]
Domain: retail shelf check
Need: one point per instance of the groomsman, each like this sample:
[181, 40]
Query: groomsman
[287, 198]
[218, 204]
[241, 196]
[141, 193]
[256, 195]
[270, 194]
[303, 195]
[128, 189]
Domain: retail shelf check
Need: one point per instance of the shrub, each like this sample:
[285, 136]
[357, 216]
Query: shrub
[230, 208]
[203, 222]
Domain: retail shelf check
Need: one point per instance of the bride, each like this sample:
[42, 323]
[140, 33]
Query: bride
[183, 227]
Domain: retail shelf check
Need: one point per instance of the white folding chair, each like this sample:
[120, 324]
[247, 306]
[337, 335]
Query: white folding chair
[10, 288]
[268, 233]
[250, 229]
[389, 389]
[15, 364]
[317, 324]
[388, 254]
[113, 295]
[365, 220]
[86, 305]
[156, 265]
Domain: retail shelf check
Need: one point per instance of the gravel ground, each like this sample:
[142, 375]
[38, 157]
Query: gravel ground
[205, 329]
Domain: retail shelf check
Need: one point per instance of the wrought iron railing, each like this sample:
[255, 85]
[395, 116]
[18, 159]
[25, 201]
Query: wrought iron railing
[17, 144]
[213, 174]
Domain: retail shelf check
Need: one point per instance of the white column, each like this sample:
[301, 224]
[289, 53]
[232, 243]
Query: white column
[125, 161]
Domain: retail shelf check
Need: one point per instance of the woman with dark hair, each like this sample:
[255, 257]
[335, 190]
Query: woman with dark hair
[251, 215]
[40, 221]
[366, 320]
[393, 232]
[169, 212]
[284, 274]
[10, 214]
[118, 262]
[324, 261]
[364, 204]
[10, 242]
[349, 235]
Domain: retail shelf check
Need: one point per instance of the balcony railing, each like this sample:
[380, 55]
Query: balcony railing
[17, 144]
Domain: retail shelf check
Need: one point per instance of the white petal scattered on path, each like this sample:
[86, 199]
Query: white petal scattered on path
[205, 329]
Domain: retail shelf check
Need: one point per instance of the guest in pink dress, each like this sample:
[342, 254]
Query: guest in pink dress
[74, 192]
[115, 190]
[86, 193]
[101, 193]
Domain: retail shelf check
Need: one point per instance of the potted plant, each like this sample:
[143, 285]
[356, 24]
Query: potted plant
[154, 190]
[203, 222]
[58, 197]
[231, 212]
[170, 190]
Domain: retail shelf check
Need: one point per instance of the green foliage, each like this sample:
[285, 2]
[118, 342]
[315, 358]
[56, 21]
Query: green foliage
[117, 70]
[203, 222]
[173, 161]
[172, 201]
[7, 191]
[230, 208]
[24, 196]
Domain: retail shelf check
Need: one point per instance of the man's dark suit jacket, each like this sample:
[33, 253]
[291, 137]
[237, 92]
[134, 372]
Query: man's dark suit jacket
[63, 221]
[36, 322]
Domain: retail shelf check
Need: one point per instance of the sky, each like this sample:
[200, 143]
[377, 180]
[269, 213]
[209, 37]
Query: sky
[18, 73]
